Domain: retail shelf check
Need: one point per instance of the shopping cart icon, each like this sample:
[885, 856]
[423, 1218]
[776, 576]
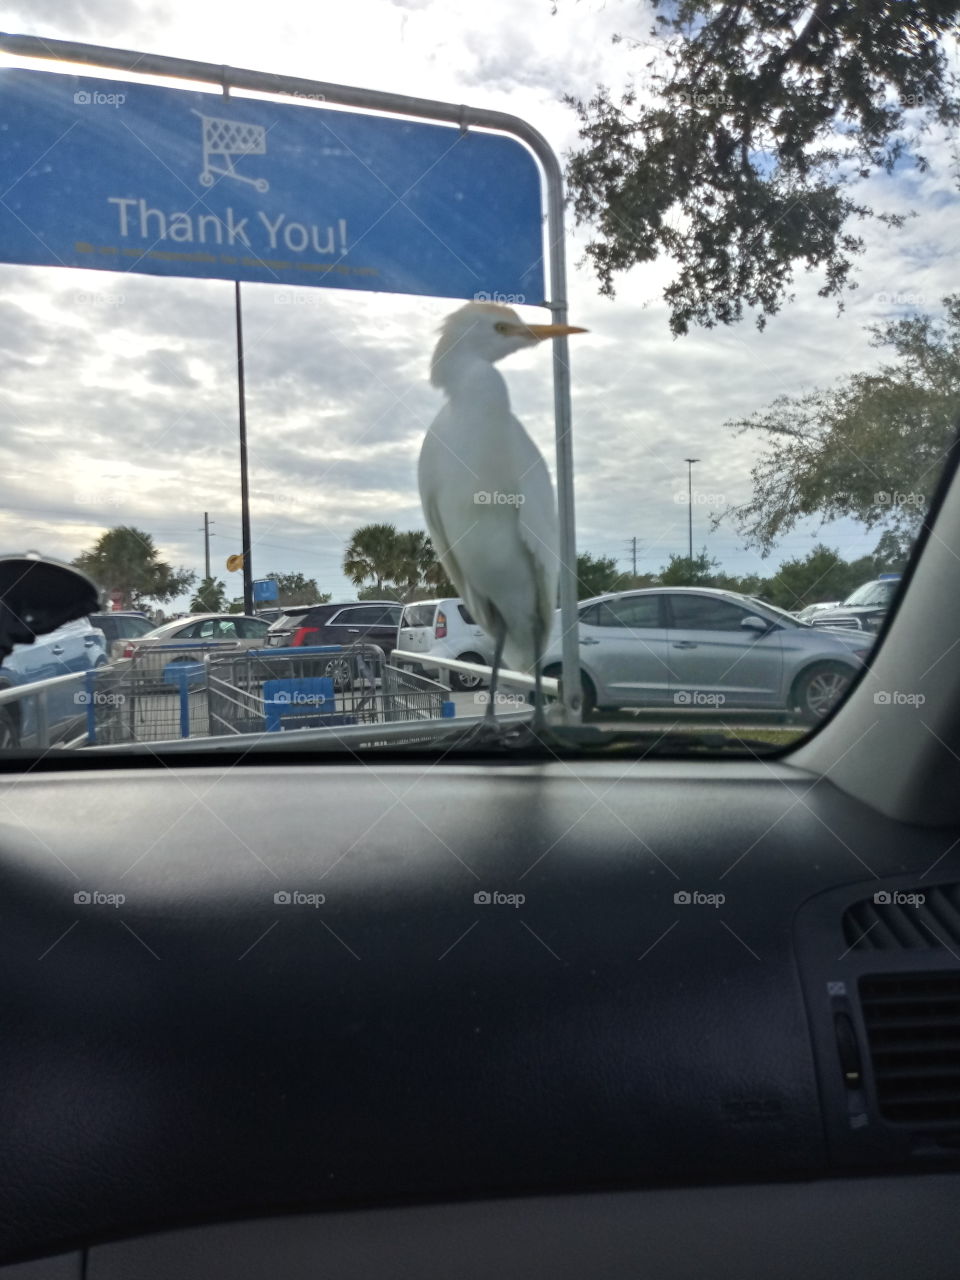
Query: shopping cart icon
[224, 139]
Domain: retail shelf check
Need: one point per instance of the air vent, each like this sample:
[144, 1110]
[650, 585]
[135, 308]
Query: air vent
[922, 919]
[913, 1030]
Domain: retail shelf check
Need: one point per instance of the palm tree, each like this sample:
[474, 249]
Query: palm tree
[372, 553]
[414, 555]
[211, 597]
[433, 573]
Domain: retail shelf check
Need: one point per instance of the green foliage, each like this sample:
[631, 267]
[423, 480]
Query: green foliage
[681, 571]
[210, 597]
[402, 566]
[294, 588]
[765, 115]
[871, 447]
[597, 574]
[125, 560]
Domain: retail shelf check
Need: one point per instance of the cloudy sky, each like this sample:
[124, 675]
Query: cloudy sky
[118, 402]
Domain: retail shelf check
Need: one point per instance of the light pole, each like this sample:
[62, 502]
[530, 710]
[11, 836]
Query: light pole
[690, 462]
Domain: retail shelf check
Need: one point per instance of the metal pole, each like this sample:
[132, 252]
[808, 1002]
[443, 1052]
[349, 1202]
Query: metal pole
[244, 479]
[206, 543]
[423, 108]
[690, 462]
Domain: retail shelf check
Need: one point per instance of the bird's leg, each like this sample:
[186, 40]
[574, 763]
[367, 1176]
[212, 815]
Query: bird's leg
[539, 723]
[495, 670]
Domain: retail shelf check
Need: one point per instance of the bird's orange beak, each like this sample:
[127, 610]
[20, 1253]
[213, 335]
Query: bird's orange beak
[541, 331]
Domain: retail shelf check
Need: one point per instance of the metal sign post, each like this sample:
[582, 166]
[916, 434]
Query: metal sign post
[497, 249]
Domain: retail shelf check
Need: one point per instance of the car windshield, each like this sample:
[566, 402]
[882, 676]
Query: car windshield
[683, 341]
[872, 593]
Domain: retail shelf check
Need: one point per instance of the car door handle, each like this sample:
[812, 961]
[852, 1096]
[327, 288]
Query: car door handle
[588, 640]
[57, 649]
[353, 631]
[89, 641]
[685, 644]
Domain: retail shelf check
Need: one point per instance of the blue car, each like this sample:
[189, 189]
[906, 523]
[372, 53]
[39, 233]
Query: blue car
[76, 646]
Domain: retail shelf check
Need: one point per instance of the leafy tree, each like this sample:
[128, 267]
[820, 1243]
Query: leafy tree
[294, 588]
[597, 574]
[681, 571]
[125, 560]
[871, 447]
[210, 597]
[371, 553]
[766, 115]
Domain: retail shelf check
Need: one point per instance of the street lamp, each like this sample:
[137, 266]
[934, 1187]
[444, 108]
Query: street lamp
[690, 462]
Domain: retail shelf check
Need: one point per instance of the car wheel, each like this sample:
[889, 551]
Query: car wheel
[463, 683]
[589, 706]
[819, 689]
[338, 670]
[9, 730]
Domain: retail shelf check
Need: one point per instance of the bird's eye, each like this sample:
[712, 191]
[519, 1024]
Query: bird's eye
[500, 326]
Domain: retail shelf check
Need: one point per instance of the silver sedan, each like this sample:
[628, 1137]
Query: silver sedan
[707, 650]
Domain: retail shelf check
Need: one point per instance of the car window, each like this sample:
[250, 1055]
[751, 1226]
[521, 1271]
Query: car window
[190, 632]
[418, 615]
[629, 611]
[251, 628]
[227, 629]
[705, 613]
[872, 593]
[466, 615]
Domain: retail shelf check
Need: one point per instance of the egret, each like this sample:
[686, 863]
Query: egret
[486, 492]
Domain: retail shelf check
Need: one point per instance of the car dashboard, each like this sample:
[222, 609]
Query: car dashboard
[421, 1017]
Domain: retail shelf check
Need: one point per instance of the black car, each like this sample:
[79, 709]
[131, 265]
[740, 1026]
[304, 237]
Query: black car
[864, 610]
[121, 626]
[344, 622]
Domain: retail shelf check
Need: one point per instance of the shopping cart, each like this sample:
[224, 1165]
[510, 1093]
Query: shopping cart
[315, 687]
[130, 702]
[224, 139]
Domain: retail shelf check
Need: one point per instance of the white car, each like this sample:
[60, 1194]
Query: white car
[811, 610]
[444, 628]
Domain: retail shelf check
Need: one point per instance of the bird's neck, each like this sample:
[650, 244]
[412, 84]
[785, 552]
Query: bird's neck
[466, 377]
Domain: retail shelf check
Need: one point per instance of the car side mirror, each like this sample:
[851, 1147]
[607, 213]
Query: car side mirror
[759, 625]
[37, 595]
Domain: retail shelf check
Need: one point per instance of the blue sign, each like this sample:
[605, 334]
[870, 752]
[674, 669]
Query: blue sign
[120, 176]
[265, 589]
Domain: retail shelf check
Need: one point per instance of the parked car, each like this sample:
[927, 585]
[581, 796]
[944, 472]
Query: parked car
[342, 622]
[76, 646]
[808, 613]
[865, 609]
[706, 649]
[118, 627]
[445, 628]
[184, 639]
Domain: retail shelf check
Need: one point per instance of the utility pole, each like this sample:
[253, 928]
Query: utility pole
[690, 462]
[206, 544]
[632, 548]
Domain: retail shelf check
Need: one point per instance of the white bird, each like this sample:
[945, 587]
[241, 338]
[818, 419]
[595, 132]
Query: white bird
[486, 492]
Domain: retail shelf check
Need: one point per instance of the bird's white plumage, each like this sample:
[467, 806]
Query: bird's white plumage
[501, 553]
